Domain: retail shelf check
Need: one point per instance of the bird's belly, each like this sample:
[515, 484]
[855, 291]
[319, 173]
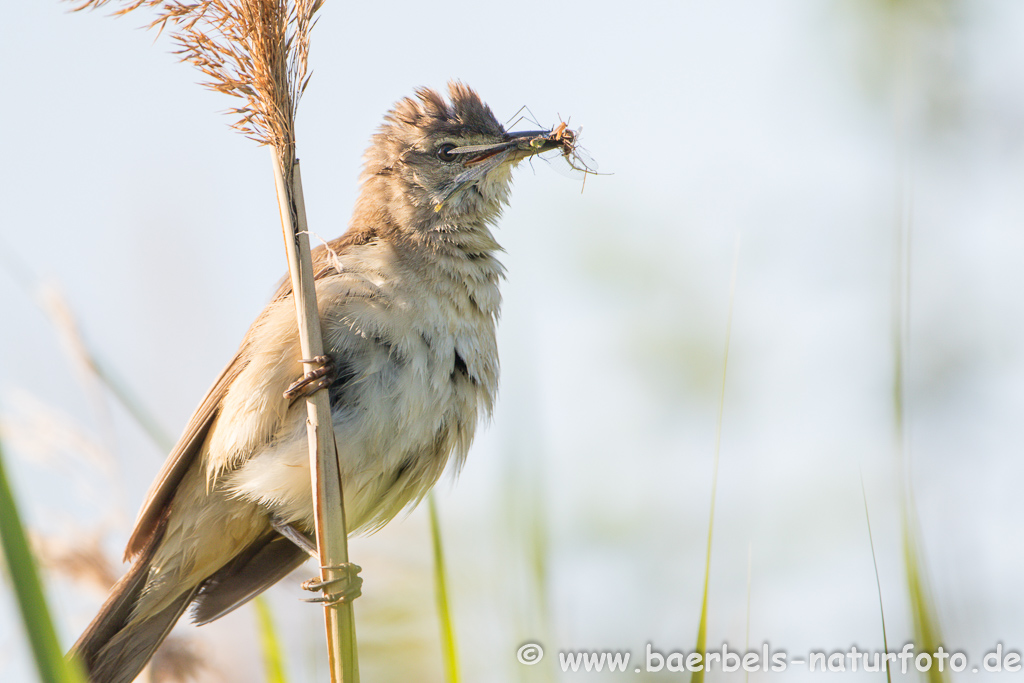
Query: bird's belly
[396, 425]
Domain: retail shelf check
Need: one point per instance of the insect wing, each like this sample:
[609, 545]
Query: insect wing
[575, 164]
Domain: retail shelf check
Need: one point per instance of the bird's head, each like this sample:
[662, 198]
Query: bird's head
[435, 161]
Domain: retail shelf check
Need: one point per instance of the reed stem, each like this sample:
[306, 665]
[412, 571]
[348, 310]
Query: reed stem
[328, 501]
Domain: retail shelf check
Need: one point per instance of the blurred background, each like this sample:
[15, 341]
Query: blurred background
[869, 157]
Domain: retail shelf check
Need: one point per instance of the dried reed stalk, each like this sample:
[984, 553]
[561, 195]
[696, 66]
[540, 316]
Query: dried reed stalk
[331, 530]
[257, 51]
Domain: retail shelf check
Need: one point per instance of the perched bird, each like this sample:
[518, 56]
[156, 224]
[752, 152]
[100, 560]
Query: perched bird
[408, 300]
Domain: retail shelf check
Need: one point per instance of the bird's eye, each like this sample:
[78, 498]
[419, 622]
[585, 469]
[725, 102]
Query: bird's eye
[444, 152]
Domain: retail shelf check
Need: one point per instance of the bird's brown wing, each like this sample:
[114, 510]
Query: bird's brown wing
[181, 458]
[191, 442]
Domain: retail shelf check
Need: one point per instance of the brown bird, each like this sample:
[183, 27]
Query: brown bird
[408, 300]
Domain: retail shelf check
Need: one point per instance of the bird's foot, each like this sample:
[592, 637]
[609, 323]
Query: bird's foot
[313, 381]
[348, 585]
[340, 589]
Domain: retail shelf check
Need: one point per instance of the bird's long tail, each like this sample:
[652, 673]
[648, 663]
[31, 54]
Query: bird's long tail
[121, 640]
[118, 643]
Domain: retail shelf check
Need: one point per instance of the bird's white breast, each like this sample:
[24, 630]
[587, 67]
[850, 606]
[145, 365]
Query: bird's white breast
[416, 349]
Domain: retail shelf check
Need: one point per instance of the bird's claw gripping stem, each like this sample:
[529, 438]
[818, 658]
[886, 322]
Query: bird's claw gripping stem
[350, 583]
[314, 380]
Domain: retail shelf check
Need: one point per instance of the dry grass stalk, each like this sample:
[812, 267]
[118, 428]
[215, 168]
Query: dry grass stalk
[328, 501]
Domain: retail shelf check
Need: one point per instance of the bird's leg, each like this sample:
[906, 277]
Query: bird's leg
[300, 539]
[349, 585]
[313, 381]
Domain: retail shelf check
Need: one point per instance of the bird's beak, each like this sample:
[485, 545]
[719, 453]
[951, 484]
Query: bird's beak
[519, 145]
[480, 160]
[528, 143]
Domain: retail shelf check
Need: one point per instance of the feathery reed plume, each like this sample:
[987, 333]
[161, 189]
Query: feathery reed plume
[176, 662]
[79, 556]
[255, 50]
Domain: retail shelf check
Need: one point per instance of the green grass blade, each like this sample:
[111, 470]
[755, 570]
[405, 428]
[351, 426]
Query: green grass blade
[270, 644]
[702, 627]
[698, 676]
[28, 592]
[449, 652]
[927, 634]
[878, 578]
